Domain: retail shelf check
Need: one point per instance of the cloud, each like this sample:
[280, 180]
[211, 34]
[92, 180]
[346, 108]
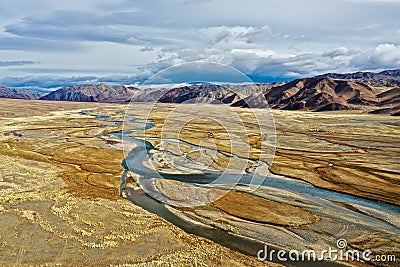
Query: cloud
[339, 52]
[269, 63]
[233, 34]
[383, 56]
[35, 44]
[260, 65]
[386, 55]
[341, 59]
[67, 28]
[260, 37]
[146, 49]
[375, 1]
[56, 81]
[45, 81]
[191, 2]
[16, 63]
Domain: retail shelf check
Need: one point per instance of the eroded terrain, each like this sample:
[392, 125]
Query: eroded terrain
[59, 198]
[60, 177]
[348, 161]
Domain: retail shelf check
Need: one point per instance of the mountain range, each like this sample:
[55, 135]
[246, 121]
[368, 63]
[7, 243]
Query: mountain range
[384, 78]
[92, 93]
[315, 94]
[376, 92]
[18, 93]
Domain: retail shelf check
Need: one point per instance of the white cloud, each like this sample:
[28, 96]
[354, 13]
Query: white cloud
[228, 35]
[383, 56]
[276, 38]
[386, 54]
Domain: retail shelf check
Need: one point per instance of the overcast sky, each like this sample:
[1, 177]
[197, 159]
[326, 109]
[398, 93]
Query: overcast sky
[49, 43]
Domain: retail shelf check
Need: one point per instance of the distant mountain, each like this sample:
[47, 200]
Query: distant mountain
[92, 93]
[314, 94]
[149, 94]
[201, 93]
[6, 92]
[209, 93]
[384, 75]
[319, 94]
[379, 79]
[373, 92]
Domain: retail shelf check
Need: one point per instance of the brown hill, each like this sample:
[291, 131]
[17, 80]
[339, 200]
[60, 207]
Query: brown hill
[148, 95]
[92, 93]
[316, 93]
[393, 110]
[389, 102]
[253, 101]
[391, 96]
[209, 93]
[6, 92]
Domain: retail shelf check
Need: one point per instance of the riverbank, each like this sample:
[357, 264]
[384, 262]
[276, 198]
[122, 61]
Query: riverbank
[76, 206]
[282, 212]
[60, 204]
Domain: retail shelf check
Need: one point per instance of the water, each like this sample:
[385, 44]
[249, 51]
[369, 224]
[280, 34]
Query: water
[134, 162]
[235, 242]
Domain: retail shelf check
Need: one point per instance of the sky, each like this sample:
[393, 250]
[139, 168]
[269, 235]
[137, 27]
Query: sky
[49, 44]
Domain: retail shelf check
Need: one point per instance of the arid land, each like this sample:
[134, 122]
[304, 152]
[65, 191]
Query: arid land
[60, 204]
[60, 176]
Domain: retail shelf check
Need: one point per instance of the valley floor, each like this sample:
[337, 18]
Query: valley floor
[59, 197]
[60, 201]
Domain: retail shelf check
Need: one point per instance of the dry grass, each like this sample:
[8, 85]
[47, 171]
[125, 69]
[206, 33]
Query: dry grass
[257, 209]
[59, 198]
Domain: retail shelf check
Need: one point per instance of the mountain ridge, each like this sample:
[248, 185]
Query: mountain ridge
[327, 92]
[92, 93]
[17, 93]
[377, 79]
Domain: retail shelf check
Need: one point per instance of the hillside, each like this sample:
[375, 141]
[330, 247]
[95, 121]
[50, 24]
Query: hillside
[377, 79]
[208, 93]
[340, 92]
[389, 101]
[313, 93]
[92, 93]
[320, 94]
[17, 93]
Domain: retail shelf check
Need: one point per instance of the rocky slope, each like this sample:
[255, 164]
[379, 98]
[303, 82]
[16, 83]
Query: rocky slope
[202, 93]
[389, 101]
[92, 93]
[391, 96]
[362, 90]
[6, 92]
[319, 94]
[380, 79]
[208, 93]
[314, 94]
